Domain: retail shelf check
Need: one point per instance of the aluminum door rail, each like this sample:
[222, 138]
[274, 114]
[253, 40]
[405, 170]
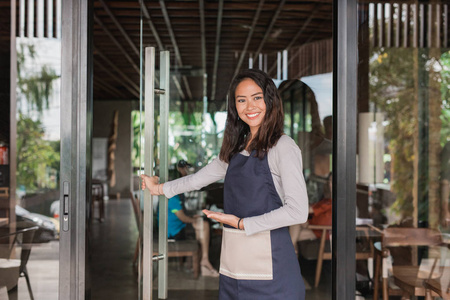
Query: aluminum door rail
[149, 100]
[164, 82]
[150, 92]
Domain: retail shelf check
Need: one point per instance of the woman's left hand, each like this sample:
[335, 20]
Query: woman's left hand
[228, 219]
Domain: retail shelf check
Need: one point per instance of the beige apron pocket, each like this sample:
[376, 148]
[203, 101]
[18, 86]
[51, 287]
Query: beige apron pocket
[246, 257]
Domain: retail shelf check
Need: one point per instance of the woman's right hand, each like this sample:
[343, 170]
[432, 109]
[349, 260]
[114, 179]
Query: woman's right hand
[152, 184]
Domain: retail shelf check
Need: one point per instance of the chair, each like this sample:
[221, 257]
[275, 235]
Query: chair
[322, 254]
[434, 288]
[185, 248]
[98, 195]
[12, 269]
[4, 201]
[403, 280]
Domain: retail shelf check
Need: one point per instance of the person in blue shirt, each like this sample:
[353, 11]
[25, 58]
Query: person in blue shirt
[181, 225]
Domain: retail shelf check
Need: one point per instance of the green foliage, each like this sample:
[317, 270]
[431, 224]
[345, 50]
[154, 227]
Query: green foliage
[136, 150]
[35, 87]
[392, 92]
[445, 130]
[445, 91]
[188, 139]
[37, 159]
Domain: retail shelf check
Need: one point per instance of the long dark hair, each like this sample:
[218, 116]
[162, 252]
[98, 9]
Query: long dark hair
[237, 132]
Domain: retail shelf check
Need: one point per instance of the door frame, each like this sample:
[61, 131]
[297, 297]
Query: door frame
[76, 129]
[76, 132]
[345, 59]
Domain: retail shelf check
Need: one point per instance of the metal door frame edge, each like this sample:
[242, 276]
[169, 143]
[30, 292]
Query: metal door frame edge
[76, 127]
[345, 58]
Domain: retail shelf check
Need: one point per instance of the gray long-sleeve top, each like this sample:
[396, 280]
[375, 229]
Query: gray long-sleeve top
[285, 163]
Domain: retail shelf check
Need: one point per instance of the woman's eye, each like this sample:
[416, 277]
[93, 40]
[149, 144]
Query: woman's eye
[258, 98]
[240, 100]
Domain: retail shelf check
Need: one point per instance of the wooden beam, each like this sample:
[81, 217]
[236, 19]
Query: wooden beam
[249, 37]
[202, 33]
[438, 25]
[109, 34]
[375, 25]
[383, 26]
[217, 49]
[124, 33]
[201, 8]
[304, 25]
[186, 84]
[118, 80]
[446, 44]
[151, 25]
[422, 25]
[406, 28]
[108, 88]
[125, 77]
[416, 25]
[297, 35]
[390, 27]
[269, 29]
[171, 33]
[398, 28]
[430, 26]
[174, 44]
[178, 86]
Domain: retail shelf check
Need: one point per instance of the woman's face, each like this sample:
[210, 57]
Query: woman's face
[250, 104]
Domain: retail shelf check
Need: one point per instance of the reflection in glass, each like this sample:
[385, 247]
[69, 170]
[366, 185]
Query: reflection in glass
[403, 132]
[38, 158]
[288, 40]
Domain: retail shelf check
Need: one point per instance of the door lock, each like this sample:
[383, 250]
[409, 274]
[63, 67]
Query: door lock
[65, 214]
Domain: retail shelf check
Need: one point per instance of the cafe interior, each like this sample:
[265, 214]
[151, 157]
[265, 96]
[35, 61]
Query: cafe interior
[402, 163]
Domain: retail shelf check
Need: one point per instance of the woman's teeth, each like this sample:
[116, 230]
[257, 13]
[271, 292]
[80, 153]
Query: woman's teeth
[252, 115]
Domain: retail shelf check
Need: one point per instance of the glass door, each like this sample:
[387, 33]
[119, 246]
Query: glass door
[403, 127]
[30, 151]
[209, 43]
[45, 150]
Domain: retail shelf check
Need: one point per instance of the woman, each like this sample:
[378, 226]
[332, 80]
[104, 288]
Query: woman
[264, 193]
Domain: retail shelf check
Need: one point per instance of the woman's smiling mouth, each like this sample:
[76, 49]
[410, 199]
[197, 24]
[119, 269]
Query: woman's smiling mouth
[251, 116]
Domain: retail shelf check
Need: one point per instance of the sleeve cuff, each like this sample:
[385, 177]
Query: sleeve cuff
[167, 191]
[248, 226]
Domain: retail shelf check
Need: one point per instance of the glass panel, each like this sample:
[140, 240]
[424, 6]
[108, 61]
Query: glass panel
[37, 155]
[296, 50]
[403, 134]
[300, 66]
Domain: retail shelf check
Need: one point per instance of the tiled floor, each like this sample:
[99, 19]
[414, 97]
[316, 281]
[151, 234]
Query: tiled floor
[113, 276]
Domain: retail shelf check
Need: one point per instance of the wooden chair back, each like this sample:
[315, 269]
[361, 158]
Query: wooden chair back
[402, 236]
[324, 255]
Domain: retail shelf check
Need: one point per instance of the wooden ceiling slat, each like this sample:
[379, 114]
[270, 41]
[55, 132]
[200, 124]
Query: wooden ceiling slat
[119, 26]
[249, 37]
[174, 44]
[180, 32]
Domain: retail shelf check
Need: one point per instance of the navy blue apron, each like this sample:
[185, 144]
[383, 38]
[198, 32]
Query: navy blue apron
[249, 191]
